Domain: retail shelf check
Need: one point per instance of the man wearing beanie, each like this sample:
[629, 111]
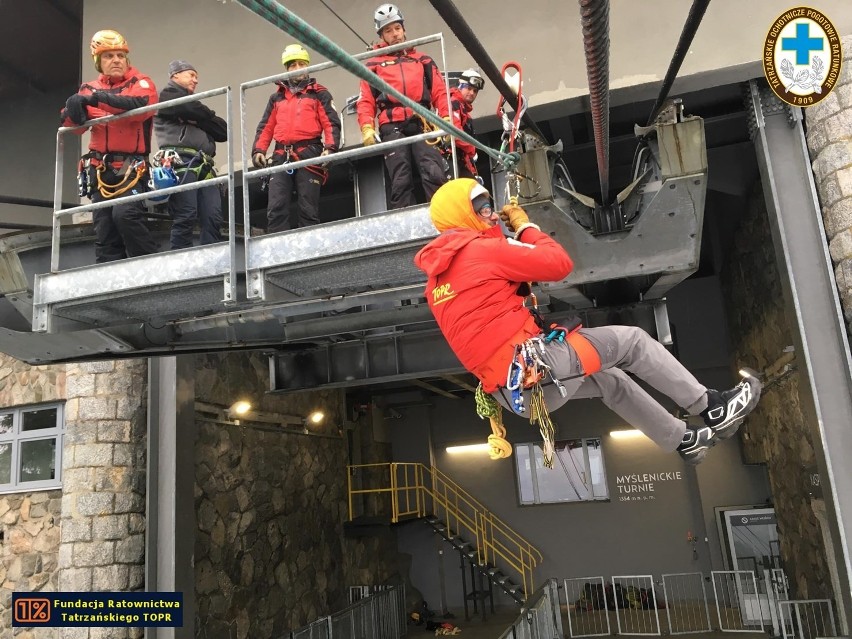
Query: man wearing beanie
[187, 134]
[478, 280]
[117, 161]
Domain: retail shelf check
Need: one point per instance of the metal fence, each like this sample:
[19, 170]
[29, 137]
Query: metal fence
[540, 618]
[380, 615]
[807, 618]
[636, 605]
[588, 612]
[685, 600]
[745, 601]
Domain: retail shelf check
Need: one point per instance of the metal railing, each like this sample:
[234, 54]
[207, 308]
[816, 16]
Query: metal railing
[636, 613]
[540, 618]
[59, 212]
[588, 610]
[380, 615]
[686, 603]
[807, 618]
[414, 490]
[349, 154]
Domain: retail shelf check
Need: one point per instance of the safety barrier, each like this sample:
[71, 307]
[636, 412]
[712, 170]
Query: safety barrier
[638, 614]
[738, 606]
[540, 618]
[807, 618]
[380, 615]
[406, 490]
[588, 611]
[685, 598]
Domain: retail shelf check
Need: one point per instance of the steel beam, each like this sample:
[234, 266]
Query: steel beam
[170, 508]
[811, 294]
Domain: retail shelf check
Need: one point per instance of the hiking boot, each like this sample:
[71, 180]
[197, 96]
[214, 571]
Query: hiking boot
[726, 410]
[724, 414]
[696, 442]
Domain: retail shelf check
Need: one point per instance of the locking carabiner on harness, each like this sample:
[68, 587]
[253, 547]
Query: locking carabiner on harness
[511, 125]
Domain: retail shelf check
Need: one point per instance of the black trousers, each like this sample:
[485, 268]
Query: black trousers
[120, 230]
[204, 205]
[399, 162]
[294, 198]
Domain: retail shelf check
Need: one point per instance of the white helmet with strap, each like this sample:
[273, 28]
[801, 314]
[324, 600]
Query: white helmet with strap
[473, 78]
[387, 14]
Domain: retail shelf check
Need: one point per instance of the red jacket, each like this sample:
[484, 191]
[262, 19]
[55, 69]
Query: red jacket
[413, 74]
[473, 289]
[294, 117]
[131, 135]
[462, 119]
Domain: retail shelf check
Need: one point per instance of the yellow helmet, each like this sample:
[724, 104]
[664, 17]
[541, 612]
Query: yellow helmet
[106, 40]
[293, 52]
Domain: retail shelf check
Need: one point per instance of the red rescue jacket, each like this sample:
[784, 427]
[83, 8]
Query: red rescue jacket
[131, 135]
[472, 290]
[413, 74]
[294, 117]
[462, 119]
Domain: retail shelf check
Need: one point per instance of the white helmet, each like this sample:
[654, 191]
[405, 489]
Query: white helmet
[385, 15]
[473, 78]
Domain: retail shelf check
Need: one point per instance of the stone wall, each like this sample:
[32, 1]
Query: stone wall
[270, 554]
[29, 521]
[829, 135]
[776, 430]
[102, 542]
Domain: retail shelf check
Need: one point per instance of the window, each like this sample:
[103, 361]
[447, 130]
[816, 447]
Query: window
[31, 448]
[577, 473]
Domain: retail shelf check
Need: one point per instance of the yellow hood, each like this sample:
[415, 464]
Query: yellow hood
[451, 207]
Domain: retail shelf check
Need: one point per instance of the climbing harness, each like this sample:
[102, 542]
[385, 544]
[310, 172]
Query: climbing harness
[292, 24]
[132, 175]
[289, 154]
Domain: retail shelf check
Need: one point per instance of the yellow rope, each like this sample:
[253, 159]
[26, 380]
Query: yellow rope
[539, 415]
[487, 407]
[109, 191]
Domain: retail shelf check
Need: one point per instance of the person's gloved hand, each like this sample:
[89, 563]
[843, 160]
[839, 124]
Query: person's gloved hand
[368, 135]
[75, 108]
[514, 217]
[325, 151]
[258, 159]
[95, 98]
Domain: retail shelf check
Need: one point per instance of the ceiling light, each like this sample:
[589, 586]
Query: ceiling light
[626, 434]
[469, 448]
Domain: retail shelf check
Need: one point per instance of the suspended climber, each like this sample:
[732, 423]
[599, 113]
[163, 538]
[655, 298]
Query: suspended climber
[117, 161]
[477, 282]
[416, 76]
[301, 119]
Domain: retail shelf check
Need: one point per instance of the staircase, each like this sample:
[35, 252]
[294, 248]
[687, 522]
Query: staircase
[387, 494]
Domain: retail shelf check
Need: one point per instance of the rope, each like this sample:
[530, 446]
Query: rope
[539, 415]
[487, 406]
[113, 190]
[293, 25]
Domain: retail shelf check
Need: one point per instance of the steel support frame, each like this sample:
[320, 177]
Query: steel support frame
[170, 506]
[810, 291]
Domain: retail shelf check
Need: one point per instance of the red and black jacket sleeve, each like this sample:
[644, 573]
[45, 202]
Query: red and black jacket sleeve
[266, 126]
[329, 120]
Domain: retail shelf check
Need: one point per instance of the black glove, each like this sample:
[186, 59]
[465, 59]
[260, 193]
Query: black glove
[75, 108]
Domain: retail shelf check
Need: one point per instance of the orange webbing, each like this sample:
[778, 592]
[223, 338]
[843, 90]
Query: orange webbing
[588, 355]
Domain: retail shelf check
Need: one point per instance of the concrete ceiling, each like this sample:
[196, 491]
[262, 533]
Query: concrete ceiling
[39, 47]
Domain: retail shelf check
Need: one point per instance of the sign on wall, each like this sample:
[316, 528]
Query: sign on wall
[644, 486]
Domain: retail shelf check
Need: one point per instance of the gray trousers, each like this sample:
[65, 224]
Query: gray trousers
[630, 349]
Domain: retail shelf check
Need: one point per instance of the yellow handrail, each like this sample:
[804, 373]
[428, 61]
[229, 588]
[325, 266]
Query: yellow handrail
[413, 487]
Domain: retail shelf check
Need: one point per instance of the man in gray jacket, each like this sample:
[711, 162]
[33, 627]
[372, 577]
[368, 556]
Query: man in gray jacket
[191, 131]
